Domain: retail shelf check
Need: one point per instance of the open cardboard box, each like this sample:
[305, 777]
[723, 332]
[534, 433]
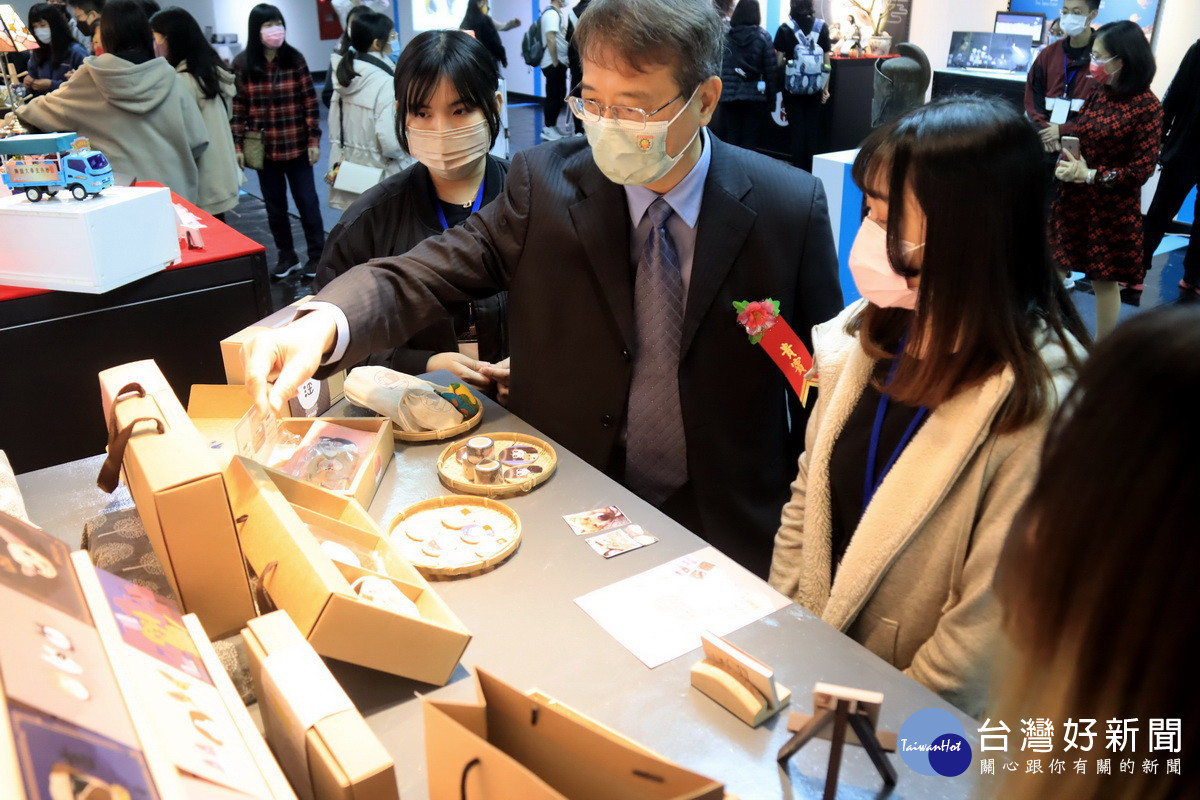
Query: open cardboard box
[179, 489]
[231, 348]
[277, 512]
[216, 409]
[344, 759]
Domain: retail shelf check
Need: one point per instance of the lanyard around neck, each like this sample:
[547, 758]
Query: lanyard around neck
[871, 484]
[475, 205]
[1068, 77]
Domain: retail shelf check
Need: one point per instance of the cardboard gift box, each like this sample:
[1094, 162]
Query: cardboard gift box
[177, 484]
[85, 245]
[231, 356]
[510, 744]
[282, 519]
[323, 743]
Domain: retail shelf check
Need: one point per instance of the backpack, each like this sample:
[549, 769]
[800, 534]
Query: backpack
[533, 44]
[805, 72]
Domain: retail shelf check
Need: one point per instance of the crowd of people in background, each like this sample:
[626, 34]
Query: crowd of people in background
[940, 386]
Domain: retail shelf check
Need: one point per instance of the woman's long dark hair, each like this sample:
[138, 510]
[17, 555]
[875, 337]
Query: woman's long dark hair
[186, 42]
[1094, 585]
[746, 12]
[125, 31]
[474, 16]
[255, 54]
[60, 35]
[433, 55]
[365, 29]
[1126, 41]
[987, 280]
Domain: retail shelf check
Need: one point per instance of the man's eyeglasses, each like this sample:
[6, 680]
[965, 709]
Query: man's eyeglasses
[631, 118]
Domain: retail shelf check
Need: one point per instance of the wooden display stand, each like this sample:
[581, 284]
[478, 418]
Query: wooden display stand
[737, 681]
[843, 706]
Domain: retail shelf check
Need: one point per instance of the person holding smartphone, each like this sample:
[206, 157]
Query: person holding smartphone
[1096, 219]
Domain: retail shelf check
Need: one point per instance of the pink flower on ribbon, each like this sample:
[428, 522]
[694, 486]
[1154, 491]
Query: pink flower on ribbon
[757, 317]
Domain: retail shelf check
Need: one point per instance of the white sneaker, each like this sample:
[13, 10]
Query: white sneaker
[550, 134]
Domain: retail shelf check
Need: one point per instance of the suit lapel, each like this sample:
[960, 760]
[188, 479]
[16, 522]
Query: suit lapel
[721, 230]
[918, 482]
[601, 220]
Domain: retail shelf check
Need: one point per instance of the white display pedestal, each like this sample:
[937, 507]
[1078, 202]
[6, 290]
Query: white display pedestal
[845, 210]
[91, 245]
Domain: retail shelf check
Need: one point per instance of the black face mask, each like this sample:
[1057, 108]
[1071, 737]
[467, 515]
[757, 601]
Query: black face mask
[86, 28]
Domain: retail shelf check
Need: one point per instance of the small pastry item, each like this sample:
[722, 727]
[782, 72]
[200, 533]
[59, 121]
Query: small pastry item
[385, 594]
[458, 517]
[519, 455]
[438, 545]
[520, 474]
[472, 534]
[487, 472]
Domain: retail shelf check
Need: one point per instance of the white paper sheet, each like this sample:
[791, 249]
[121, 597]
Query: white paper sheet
[660, 614]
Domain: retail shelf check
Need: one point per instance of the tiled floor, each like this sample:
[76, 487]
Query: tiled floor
[525, 121]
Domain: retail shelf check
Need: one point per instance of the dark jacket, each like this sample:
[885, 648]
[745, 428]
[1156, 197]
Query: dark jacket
[558, 240]
[55, 71]
[389, 220]
[486, 32]
[1181, 116]
[749, 58]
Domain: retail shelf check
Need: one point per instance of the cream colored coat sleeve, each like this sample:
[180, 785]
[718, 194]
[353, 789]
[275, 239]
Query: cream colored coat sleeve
[956, 661]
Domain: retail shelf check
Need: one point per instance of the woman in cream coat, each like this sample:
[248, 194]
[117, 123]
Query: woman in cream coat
[178, 38]
[914, 466]
[362, 117]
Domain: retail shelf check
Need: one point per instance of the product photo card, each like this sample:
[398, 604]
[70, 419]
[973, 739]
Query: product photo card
[152, 624]
[596, 520]
[60, 761]
[622, 540]
[36, 564]
[56, 664]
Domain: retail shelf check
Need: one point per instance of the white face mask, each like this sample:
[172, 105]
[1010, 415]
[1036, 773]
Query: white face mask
[873, 273]
[451, 154]
[42, 34]
[1072, 24]
[634, 157]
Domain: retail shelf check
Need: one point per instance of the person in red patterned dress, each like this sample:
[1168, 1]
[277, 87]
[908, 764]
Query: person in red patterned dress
[275, 95]
[1096, 220]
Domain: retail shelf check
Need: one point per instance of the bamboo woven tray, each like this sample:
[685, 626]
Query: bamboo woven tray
[455, 536]
[519, 475]
[439, 435]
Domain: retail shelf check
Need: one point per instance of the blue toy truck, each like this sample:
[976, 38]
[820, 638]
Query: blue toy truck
[43, 164]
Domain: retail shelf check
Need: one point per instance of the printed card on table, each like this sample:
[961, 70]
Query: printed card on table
[192, 721]
[622, 540]
[596, 520]
[152, 624]
[36, 564]
[61, 761]
[56, 664]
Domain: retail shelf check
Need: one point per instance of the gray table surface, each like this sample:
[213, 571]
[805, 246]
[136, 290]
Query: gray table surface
[529, 632]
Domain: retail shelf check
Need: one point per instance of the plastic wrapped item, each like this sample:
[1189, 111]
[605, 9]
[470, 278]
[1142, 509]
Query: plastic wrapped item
[263, 439]
[329, 456]
[385, 594]
[347, 551]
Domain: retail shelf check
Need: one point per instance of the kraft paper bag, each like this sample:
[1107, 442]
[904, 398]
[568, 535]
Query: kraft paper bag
[511, 745]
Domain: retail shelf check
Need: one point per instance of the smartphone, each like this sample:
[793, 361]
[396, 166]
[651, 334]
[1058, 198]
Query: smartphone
[1070, 144]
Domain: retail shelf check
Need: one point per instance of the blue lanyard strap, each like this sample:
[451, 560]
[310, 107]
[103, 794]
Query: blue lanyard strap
[437, 205]
[1067, 78]
[871, 484]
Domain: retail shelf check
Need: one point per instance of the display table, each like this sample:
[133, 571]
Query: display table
[55, 343]
[529, 632]
[1008, 86]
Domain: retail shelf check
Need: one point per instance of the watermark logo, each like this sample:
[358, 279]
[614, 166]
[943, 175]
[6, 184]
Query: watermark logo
[934, 742]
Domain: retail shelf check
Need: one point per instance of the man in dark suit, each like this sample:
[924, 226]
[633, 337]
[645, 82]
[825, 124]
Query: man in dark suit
[624, 342]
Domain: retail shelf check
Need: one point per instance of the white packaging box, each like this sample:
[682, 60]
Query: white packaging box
[92, 245]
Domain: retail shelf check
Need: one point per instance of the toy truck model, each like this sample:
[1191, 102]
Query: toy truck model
[43, 164]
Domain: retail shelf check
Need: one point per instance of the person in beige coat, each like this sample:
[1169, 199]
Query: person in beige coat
[178, 39]
[132, 106]
[915, 463]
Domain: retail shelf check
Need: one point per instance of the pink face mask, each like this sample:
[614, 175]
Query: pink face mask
[873, 273]
[272, 35]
